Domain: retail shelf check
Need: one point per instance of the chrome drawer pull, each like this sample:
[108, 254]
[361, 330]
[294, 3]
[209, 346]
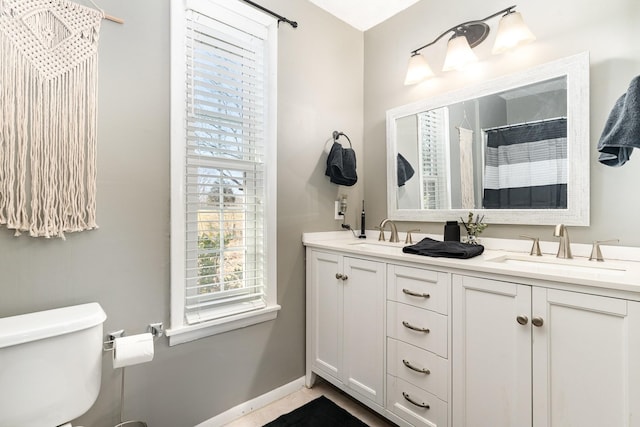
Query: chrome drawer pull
[414, 328]
[421, 370]
[410, 400]
[416, 294]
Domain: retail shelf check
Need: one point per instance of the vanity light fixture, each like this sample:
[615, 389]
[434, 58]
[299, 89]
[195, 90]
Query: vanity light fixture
[512, 32]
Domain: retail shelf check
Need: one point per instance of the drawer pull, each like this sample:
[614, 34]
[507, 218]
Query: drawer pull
[414, 328]
[416, 294]
[413, 402]
[421, 370]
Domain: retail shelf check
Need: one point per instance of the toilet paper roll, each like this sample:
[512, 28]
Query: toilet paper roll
[132, 350]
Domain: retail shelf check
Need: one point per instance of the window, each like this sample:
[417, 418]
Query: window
[434, 158]
[223, 167]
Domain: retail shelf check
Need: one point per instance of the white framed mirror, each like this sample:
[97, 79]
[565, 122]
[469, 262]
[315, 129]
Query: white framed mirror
[514, 149]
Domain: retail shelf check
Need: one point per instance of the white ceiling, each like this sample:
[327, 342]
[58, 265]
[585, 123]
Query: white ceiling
[363, 14]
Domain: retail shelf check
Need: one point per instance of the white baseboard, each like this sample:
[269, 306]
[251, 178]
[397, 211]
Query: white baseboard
[253, 404]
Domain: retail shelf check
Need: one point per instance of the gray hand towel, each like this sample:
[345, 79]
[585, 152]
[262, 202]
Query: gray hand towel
[621, 132]
[405, 171]
[448, 249]
[341, 165]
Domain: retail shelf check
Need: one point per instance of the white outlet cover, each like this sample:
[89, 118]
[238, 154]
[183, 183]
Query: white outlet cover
[336, 211]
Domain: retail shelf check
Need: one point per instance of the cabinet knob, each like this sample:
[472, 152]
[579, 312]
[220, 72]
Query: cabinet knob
[537, 321]
[523, 320]
[339, 276]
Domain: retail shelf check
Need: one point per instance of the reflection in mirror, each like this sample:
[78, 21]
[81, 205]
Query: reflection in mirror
[506, 147]
[506, 150]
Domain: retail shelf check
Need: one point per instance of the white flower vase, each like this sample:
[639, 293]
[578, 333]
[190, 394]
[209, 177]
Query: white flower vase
[473, 239]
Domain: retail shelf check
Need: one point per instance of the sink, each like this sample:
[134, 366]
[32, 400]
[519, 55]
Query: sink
[378, 246]
[548, 264]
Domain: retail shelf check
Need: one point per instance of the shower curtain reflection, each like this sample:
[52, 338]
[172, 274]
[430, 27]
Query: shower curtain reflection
[526, 166]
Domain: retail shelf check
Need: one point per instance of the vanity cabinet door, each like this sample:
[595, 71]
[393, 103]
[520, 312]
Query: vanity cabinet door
[363, 330]
[345, 323]
[324, 309]
[585, 360]
[533, 356]
[491, 361]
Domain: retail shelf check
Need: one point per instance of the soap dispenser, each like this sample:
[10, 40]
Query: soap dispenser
[452, 231]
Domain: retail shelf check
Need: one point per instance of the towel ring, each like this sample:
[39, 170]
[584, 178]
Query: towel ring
[337, 135]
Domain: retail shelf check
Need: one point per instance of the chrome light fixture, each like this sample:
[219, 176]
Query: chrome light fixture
[512, 32]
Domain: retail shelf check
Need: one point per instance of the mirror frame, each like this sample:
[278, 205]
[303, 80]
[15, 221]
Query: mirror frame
[576, 70]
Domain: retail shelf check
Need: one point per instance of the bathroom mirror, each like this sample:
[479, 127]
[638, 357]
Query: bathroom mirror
[514, 149]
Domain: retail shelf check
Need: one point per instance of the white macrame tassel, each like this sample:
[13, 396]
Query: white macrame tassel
[466, 168]
[48, 133]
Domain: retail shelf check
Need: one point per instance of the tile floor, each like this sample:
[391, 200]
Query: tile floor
[300, 397]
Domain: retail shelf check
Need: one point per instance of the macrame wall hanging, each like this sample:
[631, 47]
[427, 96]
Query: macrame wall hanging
[466, 167]
[48, 100]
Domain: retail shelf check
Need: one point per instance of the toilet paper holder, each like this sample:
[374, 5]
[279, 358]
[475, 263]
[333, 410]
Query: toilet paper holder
[155, 329]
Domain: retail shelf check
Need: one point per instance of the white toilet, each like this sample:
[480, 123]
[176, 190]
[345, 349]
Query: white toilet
[50, 365]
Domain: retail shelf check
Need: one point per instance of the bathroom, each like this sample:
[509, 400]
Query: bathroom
[330, 76]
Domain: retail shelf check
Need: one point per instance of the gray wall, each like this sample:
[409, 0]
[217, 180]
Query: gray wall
[608, 30]
[546, 105]
[124, 265]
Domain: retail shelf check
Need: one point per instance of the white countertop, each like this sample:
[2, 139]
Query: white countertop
[619, 272]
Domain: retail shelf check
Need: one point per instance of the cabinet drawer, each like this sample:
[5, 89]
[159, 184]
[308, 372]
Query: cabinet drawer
[422, 328]
[409, 363]
[415, 405]
[418, 287]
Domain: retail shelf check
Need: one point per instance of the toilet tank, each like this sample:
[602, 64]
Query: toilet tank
[50, 365]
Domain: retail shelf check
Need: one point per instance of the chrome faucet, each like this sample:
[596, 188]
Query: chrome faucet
[394, 231]
[564, 249]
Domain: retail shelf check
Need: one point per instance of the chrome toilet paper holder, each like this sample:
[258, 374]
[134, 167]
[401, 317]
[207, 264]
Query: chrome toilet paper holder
[107, 345]
[155, 329]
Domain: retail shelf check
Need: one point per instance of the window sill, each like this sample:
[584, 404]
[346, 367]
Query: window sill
[183, 334]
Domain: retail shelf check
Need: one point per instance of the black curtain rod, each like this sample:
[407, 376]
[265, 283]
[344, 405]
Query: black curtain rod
[281, 18]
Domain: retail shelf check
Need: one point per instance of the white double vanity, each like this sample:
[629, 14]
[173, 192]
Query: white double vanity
[504, 339]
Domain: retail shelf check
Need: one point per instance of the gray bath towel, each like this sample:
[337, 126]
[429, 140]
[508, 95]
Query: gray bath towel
[405, 171]
[621, 132]
[341, 165]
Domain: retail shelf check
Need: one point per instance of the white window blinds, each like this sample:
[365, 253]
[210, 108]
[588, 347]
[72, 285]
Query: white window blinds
[224, 164]
[433, 132]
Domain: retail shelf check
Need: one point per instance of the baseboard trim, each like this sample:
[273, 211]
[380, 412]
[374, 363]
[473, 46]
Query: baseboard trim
[253, 404]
